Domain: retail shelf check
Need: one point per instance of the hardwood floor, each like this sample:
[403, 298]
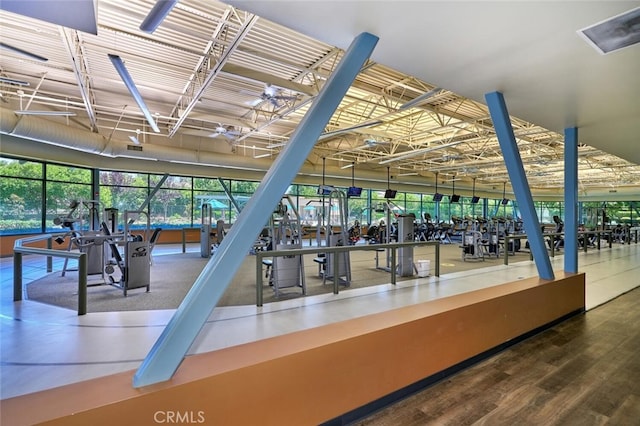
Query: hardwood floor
[584, 371]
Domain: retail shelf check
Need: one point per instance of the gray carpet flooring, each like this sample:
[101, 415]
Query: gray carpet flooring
[172, 275]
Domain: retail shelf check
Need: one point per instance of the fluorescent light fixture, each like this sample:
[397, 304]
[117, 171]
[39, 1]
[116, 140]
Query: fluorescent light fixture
[157, 14]
[12, 81]
[48, 113]
[128, 81]
[417, 152]
[135, 157]
[191, 163]
[348, 129]
[347, 166]
[23, 52]
[420, 99]
[262, 155]
[134, 140]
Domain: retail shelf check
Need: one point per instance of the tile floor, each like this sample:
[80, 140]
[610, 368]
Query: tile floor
[44, 346]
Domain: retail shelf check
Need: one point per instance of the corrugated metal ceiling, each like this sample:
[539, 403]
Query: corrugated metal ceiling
[445, 134]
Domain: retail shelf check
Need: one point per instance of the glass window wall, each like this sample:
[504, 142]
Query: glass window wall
[21, 192]
[34, 193]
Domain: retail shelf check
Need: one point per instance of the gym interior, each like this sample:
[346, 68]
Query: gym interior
[262, 232]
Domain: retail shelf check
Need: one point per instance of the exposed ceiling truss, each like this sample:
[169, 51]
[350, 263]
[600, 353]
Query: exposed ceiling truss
[211, 68]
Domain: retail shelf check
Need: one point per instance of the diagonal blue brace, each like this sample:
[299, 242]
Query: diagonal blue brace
[571, 200]
[509, 147]
[178, 336]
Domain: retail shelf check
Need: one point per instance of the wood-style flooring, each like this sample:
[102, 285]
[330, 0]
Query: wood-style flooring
[584, 371]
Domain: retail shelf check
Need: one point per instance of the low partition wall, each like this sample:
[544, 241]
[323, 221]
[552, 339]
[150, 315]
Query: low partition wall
[316, 375]
[168, 236]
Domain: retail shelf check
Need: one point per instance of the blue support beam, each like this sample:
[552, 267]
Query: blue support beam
[509, 147]
[571, 200]
[181, 331]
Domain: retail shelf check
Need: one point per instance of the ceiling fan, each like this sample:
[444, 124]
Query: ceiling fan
[368, 144]
[273, 95]
[371, 143]
[227, 132]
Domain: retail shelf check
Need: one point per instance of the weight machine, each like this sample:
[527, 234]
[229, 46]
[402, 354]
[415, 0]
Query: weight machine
[85, 240]
[336, 235]
[284, 227]
[472, 245]
[111, 219]
[208, 241]
[135, 264]
[404, 232]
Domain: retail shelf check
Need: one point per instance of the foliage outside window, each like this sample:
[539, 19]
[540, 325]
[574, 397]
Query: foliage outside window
[171, 206]
[178, 202]
[67, 199]
[67, 190]
[21, 168]
[547, 210]
[21, 186]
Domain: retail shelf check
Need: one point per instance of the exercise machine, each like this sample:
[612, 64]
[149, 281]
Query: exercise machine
[284, 226]
[111, 219]
[336, 235]
[383, 234]
[83, 224]
[559, 239]
[490, 242]
[472, 246]
[406, 233]
[134, 264]
[354, 233]
[426, 229]
[206, 240]
[402, 231]
[442, 233]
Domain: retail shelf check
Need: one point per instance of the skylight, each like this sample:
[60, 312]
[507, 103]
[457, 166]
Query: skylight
[615, 33]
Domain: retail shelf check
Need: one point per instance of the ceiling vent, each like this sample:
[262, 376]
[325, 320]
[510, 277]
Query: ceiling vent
[615, 33]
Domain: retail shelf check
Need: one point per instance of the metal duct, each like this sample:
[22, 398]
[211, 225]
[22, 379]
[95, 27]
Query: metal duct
[8, 121]
[54, 133]
[47, 131]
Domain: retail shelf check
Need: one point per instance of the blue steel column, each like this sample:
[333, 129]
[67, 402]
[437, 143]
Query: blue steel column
[507, 140]
[174, 342]
[571, 200]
